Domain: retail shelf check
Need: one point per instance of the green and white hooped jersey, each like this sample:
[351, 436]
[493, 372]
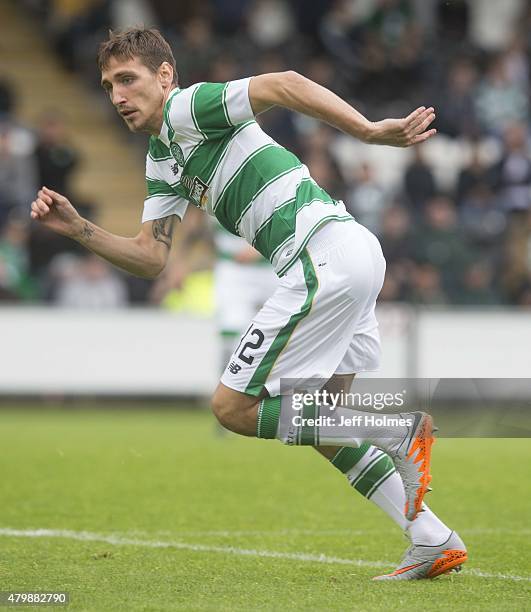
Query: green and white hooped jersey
[212, 153]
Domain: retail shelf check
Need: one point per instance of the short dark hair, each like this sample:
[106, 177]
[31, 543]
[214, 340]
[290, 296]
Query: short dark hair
[147, 44]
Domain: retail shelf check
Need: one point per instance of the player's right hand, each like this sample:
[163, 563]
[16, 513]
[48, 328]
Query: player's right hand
[56, 212]
[405, 132]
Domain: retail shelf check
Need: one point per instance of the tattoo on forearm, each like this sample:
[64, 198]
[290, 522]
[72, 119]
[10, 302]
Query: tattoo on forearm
[87, 232]
[163, 230]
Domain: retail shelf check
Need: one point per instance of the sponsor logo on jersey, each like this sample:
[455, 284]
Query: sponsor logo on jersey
[198, 190]
[177, 153]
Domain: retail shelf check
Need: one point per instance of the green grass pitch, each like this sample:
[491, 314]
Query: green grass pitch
[175, 517]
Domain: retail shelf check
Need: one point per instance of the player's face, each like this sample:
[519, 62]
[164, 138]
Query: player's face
[137, 93]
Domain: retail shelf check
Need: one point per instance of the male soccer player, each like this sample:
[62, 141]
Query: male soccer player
[207, 149]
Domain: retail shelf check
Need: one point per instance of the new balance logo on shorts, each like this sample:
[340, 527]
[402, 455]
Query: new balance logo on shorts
[234, 368]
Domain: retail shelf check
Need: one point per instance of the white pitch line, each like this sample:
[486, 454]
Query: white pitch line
[480, 574]
[227, 533]
[87, 536]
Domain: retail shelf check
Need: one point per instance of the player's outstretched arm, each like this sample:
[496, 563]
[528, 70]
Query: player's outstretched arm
[143, 255]
[292, 90]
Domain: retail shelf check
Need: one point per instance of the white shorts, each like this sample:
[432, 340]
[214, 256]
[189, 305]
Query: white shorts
[320, 320]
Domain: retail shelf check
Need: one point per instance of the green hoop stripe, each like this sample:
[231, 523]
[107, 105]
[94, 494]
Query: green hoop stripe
[279, 248]
[257, 382]
[159, 188]
[377, 485]
[262, 166]
[206, 158]
[247, 183]
[370, 477]
[235, 179]
[346, 458]
[265, 186]
[268, 417]
[210, 109]
[274, 231]
[158, 151]
[279, 227]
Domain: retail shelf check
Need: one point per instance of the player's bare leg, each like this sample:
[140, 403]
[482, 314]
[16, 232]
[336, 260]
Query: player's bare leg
[236, 411]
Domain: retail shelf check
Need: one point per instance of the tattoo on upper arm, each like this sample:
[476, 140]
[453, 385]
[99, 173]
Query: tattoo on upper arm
[163, 230]
[87, 232]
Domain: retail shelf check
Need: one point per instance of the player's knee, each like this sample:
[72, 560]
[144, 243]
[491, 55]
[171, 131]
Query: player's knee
[224, 410]
[235, 411]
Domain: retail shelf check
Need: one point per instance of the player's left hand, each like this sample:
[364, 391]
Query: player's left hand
[411, 130]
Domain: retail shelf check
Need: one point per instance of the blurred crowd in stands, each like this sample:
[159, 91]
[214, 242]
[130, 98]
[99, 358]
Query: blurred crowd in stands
[453, 216]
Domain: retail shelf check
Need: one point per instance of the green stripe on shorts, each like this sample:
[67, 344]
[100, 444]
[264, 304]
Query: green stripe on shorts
[258, 379]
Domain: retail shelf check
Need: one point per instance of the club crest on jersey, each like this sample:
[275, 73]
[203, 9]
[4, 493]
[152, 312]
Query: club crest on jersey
[177, 153]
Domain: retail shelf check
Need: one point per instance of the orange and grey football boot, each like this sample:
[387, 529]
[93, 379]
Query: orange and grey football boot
[411, 456]
[421, 562]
